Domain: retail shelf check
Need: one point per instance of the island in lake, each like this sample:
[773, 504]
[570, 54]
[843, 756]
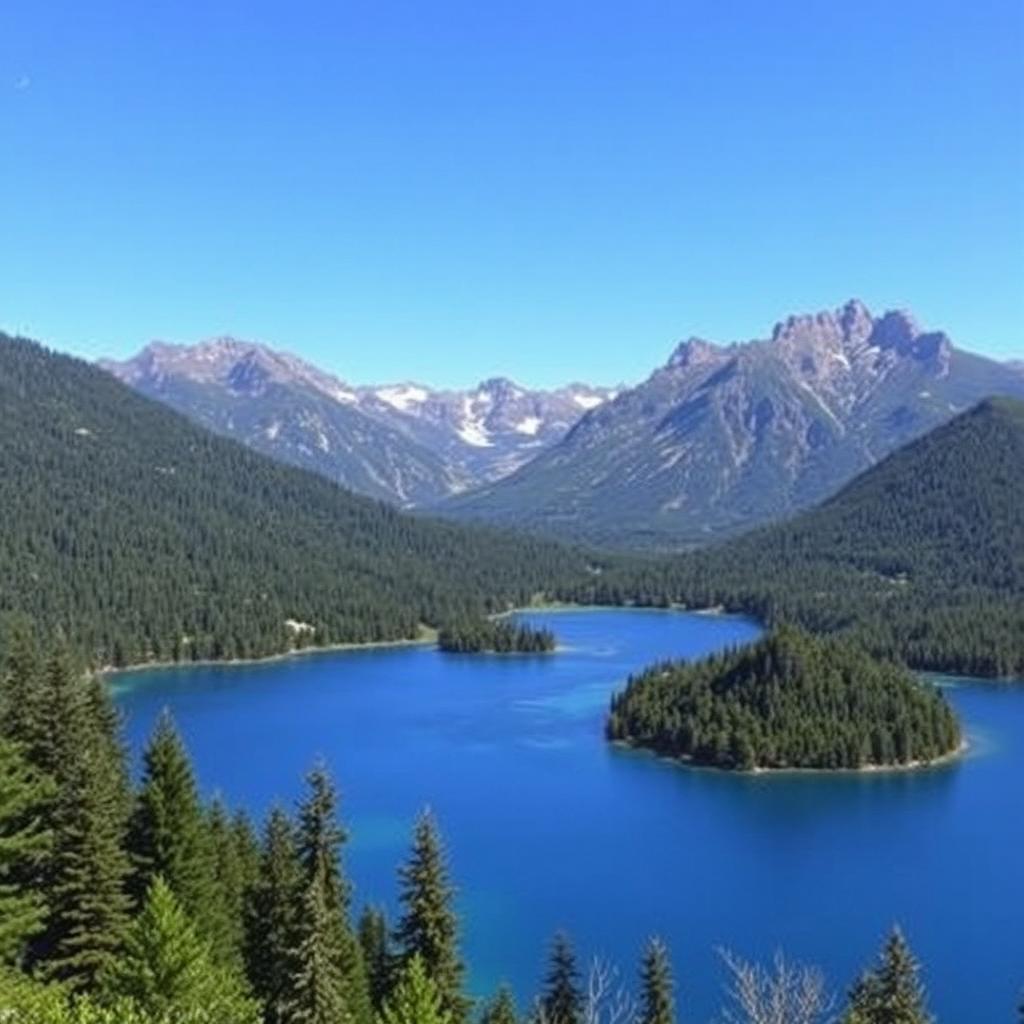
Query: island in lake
[791, 700]
[496, 637]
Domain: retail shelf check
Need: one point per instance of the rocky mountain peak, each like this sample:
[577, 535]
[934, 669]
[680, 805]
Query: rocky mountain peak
[692, 352]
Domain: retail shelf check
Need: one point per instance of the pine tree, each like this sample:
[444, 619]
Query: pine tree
[86, 874]
[501, 1009]
[890, 993]
[167, 836]
[167, 971]
[375, 944]
[272, 915]
[656, 978]
[318, 993]
[225, 917]
[429, 926]
[25, 796]
[20, 710]
[562, 1001]
[329, 964]
[417, 999]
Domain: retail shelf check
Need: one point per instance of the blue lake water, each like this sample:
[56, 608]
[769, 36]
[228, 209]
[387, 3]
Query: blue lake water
[548, 827]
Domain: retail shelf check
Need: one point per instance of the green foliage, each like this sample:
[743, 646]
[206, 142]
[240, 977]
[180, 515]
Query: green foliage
[921, 558]
[234, 863]
[25, 842]
[501, 1009]
[328, 983]
[429, 927]
[166, 970]
[167, 836]
[562, 999]
[890, 993]
[272, 918]
[789, 701]
[145, 537]
[498, 636]
[85, 876]
[378, 962]
[658, 1001]
[416, 998]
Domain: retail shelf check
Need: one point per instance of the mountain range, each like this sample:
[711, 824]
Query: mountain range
[720, 439]
[725, 437]
[404, 443]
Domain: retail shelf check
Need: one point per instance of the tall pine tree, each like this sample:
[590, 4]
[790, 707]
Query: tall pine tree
[429, 927]
[562, 1000]
[272, 918]
[168, 835]
[328, 974]
[656, 980]
[891, 992]
[25, 796]
[85, 880]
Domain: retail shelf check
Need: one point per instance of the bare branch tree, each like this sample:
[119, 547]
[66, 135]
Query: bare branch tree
[787, 993]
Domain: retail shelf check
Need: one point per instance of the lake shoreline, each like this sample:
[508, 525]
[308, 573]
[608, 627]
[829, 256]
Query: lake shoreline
[944, 760]
[429, 637]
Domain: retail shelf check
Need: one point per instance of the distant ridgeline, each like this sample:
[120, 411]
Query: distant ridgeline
[141, 536]
[498, 637]
[921, 558]
[788, 701]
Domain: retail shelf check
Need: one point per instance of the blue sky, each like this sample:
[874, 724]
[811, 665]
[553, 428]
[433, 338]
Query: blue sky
[548, 190]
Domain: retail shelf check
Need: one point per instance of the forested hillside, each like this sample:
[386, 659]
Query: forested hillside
[921, 557]
[789, 701]
[143, 536]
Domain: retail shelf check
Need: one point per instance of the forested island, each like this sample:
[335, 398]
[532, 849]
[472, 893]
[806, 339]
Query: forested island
[495, 636]
[791, 700]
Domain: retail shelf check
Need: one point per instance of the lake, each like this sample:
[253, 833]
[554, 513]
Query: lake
[548, 827]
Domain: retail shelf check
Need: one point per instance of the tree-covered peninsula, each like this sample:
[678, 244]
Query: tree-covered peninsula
[791, 700]
[498, 637]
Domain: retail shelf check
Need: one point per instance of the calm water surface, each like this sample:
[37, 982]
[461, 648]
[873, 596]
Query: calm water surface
[548, 827]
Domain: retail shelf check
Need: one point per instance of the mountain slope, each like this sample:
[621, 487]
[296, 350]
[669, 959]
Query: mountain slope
[404, 443]
[921, 557]
[723, 438]
[141, 535]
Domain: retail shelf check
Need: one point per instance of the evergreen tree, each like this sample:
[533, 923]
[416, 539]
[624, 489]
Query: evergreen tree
[501, 1009]
[225, 917]
[429, 926]
[166, 969]
[374, 942]
[890, 993]
[417, 999]
[25, 796]
[562, 1001]
[318, 990]
[167, 836]
[20, 711]
[656, 977]
[86, 874]
[272, 916]
[328, 976]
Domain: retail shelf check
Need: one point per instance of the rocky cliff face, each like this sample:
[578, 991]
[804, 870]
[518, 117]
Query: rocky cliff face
[404, 443]
[723, 437]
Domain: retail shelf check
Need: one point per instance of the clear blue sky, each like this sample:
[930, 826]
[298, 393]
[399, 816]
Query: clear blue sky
[543, 189]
